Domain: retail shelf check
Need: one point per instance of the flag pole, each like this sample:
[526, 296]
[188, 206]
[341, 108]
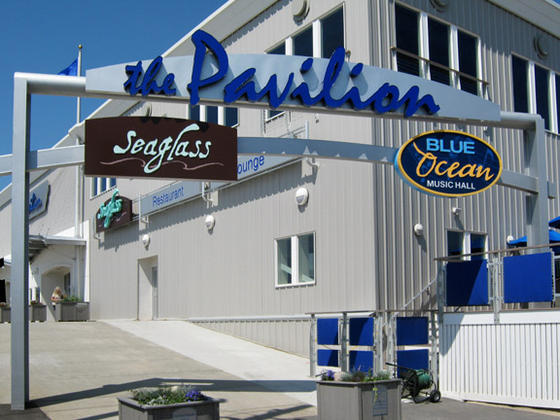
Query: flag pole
[79, 73]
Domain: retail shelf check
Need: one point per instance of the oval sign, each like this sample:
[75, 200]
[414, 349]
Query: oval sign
[449, 163]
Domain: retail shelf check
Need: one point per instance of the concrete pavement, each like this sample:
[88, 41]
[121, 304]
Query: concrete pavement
[78, 369]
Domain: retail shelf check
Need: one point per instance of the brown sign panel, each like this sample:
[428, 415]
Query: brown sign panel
[115, 212]
[158, 147]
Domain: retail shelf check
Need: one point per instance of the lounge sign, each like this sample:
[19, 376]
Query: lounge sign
[160, 148]
[449, 163]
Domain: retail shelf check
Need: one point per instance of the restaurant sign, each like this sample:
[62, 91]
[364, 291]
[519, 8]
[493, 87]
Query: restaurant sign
[449, 163]
[115, 212]
[160, 148]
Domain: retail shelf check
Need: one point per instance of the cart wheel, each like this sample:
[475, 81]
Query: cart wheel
[435, 396]
[410, 384]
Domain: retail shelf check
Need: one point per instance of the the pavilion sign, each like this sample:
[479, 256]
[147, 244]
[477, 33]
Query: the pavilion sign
[287, 82]
[160, 148]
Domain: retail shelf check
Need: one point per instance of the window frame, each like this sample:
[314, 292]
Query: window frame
[423, 57]
[317, 45]
[294, 253]
[98, 181]
[553, 94]
[466, 244]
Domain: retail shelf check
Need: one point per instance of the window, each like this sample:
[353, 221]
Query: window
[407, 40]
[534, 88]
[541, 90]
[279, 50]
[303, 43]
[231, 117]
[332, 33]
[319, 39]
[212, 114]
[467, 62]
[520, 97]
[100, 185]
[460, 243]
[441, 52]
[194, 112]
[295, 260]
[438, 36]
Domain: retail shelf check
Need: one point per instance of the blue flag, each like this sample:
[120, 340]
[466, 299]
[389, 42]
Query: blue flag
[71, 70]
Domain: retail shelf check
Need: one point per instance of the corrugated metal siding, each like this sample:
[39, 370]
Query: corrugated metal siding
[290, 336]
[513, 363]
[363, 215]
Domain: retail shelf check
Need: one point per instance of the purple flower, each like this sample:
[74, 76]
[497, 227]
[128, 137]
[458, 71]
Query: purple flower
[194, 395]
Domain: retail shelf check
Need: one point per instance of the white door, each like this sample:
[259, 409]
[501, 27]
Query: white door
[147, 289]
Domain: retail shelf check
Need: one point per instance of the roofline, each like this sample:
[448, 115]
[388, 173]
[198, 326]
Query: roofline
[544, 14]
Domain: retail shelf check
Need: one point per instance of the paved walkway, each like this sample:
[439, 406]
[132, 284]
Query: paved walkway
[78, 369]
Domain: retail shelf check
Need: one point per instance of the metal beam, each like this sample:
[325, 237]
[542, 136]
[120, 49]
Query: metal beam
[519, 181]
[325, 149]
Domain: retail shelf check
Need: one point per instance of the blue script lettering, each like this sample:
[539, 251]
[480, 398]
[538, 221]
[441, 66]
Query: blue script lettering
[147, 83]
[385, 99]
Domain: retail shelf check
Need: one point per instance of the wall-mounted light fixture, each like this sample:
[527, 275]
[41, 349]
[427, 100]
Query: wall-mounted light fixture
[418, 229]
[210, 221]
[300, 8]
[509, 239]
[302, 196]
[456, 211]
[146, 240]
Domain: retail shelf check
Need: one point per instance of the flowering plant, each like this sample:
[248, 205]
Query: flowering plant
[167, 395]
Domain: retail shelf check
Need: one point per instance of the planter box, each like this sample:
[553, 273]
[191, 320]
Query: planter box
[379, 400]
[38, 312]
[71, 311]
[129, 409]
[5, 314]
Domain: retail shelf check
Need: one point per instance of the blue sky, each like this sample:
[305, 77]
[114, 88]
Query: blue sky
[41, 36]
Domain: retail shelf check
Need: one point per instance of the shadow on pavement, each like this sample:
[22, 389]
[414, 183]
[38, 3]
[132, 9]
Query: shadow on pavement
[201, 384]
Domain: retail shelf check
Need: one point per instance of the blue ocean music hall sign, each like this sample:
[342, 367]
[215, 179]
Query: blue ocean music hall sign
[449, 163]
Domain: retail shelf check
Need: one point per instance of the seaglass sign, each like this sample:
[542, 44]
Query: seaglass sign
[158, 147]
[449, 163]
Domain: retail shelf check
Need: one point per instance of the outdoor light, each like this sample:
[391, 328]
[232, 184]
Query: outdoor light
[302, 196]
[210, 221]
[146, 240]
[509, 239]
[456, 211]
[418, 229]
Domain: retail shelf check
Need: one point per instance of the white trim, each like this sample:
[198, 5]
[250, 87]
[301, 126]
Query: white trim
[454, 56]
[531, 88]
[317, 38]
[294, 253]
[552, 104]
[423, 45]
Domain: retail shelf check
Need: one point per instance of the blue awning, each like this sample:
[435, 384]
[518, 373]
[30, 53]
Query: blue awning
[555, 223]
[553, 237]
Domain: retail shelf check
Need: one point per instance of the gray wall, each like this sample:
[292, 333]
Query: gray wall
[367, 255]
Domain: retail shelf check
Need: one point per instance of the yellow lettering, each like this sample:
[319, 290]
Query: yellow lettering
[467, 170]
[484, 171]
[438, 166]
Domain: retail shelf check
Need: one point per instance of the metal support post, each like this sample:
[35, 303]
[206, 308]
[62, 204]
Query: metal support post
[312, 346]
[20, 252]
[434, 347]
[344, 343]
[535, 164]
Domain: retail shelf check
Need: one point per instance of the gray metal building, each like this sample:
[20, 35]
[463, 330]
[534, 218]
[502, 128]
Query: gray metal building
[268, 261]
